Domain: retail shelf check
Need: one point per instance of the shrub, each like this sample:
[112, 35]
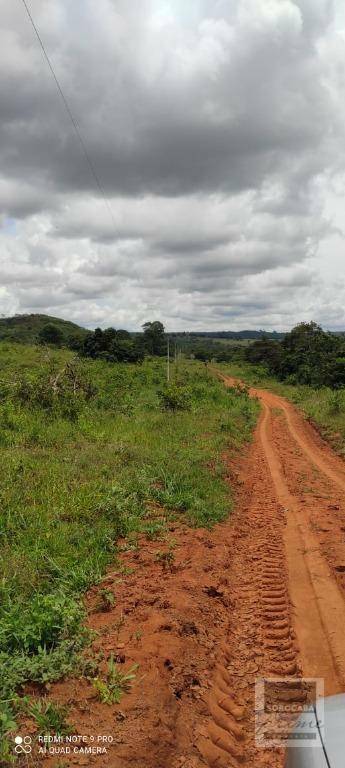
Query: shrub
[48, 619]
[62, 394]
[175, 398]
[7, 725]
[335, 402]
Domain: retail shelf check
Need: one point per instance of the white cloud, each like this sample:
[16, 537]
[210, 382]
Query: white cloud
[217, 132]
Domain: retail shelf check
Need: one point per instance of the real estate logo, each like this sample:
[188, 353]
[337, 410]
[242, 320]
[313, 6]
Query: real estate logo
[289, 712]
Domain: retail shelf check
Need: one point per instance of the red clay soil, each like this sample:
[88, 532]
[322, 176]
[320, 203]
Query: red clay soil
[261, 595]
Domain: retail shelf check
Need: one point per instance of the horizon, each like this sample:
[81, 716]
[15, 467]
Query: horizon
[186, 330]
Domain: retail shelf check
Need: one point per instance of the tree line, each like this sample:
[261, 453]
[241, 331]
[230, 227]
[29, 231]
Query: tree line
[113, 345]
[306, 355]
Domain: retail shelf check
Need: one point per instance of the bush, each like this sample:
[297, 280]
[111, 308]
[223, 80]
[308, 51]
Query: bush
[62, 393]
[335, 402]
[175, 398]
[48, 619]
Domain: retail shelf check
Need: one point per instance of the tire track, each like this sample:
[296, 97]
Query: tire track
[261, 640]
[319, 607]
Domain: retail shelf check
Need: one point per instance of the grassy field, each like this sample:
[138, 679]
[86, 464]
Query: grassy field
[91, 452]
[325, 407]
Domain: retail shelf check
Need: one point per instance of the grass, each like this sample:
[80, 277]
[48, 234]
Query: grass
[91, 452]
[325, 407]
[50, 717]
[116, 682]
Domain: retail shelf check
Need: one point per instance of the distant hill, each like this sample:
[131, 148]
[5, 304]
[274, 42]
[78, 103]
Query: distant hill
[232, 334]
[25, 328]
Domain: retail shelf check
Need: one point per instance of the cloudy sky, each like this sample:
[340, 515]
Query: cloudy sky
[217, 131]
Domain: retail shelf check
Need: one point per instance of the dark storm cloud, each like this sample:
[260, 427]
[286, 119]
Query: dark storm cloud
[212, 127]
[220, 115]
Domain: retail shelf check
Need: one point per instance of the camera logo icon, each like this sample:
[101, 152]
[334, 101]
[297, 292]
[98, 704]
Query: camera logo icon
[23, 745]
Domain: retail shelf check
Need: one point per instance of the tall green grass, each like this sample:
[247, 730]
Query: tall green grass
[81, 470]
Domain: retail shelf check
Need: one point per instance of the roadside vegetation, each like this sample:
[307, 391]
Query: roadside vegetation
[324, 407]
[306, 355]
[307, 367]
[93, 451]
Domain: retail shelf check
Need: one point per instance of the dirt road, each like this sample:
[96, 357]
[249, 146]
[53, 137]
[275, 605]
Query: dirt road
[261, 595]
[308, 480]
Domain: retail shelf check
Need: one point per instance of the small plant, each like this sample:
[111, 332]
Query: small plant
[126, 570]
[107, 599]
[7, 722]
[7, 726]
[116, 683]
[335, 402]
[132, 542]
[166, 559]
[50, 717]
[153, 530]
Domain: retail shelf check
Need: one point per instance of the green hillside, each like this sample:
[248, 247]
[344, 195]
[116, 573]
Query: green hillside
[25, 328]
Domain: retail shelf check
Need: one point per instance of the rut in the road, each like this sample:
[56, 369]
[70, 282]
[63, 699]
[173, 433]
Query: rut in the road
[319, 605]
[261, 640]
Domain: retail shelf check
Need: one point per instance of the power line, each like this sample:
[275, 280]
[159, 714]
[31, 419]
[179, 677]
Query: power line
[70, 115]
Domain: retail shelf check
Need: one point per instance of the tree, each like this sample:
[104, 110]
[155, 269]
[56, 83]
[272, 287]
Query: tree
[266, 352]
[154, 338]
[202, 353]
[75, 341]
[307, 355]
[125, 351]
[113, 346]
[51, 334]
